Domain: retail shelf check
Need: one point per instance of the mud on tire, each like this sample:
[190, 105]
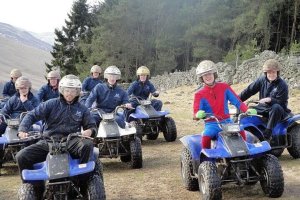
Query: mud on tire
[294, 133]
[95, 188]
[209, 181]
[169, 129]
[27, 192]
[272, 181]
[136, 153]
[189, 182]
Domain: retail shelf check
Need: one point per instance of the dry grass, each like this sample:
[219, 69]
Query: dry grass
[160, 176]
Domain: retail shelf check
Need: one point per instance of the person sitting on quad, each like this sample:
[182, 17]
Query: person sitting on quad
[213, 98]
[273, 95]
[90, 82]
[9, 87]
[109, 95]
[62, 116]
[49, 90]
[142, 88]
[22, 101]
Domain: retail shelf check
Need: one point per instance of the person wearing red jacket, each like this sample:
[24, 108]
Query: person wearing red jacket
[213, 98]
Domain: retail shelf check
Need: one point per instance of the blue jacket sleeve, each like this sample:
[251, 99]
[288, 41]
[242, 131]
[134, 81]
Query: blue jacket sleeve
[84, 84]
[131, 88]
[92, 97]
[152, 88]
[41, 94]
[8, 108]
[251, 90]
[6, 89]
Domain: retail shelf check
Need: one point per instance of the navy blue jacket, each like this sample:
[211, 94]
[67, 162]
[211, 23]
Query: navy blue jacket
[15, 106]
[277, 90]
[89, 83]
[9, 89]
[46, 92]
[140, 89]
[60, 118]
[106, 97]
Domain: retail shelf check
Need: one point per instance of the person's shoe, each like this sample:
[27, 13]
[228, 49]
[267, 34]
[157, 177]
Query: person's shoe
[268, 135]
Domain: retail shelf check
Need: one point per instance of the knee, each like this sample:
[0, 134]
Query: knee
[20, 157]
[277, 108]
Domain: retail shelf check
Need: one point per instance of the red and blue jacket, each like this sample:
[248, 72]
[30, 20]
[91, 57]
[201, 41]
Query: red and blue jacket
[215, 100]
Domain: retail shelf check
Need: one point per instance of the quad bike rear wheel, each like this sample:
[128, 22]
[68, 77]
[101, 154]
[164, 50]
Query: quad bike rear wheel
[190, 182]
[95, 188]
[294, 148]
[169, 129]
[27, 191]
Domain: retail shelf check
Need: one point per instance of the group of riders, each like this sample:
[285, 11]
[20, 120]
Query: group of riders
[63, 105]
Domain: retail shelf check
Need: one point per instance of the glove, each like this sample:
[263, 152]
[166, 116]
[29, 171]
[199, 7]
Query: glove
[251, 111]
[201, 114]
[155, 94]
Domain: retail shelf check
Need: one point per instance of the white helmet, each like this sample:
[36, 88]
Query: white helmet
[112, 70]
[15, 73]
[206, 67]
[96, 69]
[53, 75]
[70, 81]
[22, 81]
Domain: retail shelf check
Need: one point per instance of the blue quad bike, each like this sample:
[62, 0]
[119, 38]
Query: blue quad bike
[114, 141]
[286, 134]
[230, 160]
[10, 143]
[150, 122]
[62, 177]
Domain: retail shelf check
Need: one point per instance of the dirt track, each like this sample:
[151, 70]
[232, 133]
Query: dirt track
[160, 176]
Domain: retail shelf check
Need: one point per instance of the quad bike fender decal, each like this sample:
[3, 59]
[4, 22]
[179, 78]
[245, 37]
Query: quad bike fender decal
[127, 131]
[259, 147]
[40, 172]
[219, 152]
[193, 143]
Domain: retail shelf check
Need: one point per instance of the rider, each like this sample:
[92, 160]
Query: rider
[90, 82]
[213, 98]
[62, 116]
[273, 95]
[142, 88]
[22, 101]
[109, 95]
[49, 90]
[9, 87]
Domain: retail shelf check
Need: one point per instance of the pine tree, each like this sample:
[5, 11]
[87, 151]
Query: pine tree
[66, 51]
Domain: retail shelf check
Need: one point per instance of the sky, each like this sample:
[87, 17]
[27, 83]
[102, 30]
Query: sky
[36, 15]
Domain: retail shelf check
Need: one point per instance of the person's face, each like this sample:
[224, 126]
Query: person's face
[272, 75]
[23, 90]
[53, 81]
[208, 78]
[95, 74]
[14, 79]
[69, 94]
[112, 79]
[143, 78]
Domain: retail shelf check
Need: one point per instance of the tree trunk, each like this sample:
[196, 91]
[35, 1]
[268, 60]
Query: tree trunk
[293, 32]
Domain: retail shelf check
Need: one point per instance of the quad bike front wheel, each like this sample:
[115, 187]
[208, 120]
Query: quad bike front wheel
[136, 153]
[169, 129]
[209, 181]
[272, 181]
[95, 188]
[27, 191]
[294, 148]
[190, 182]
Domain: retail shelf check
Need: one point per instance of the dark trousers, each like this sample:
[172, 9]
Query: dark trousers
[274, 113]
[79, 148]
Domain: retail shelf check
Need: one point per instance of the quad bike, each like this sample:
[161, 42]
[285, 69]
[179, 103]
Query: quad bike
[230, 160]
[114, 141]
[10, 143]
[150, 122]
[286, 133]
[61, 176]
